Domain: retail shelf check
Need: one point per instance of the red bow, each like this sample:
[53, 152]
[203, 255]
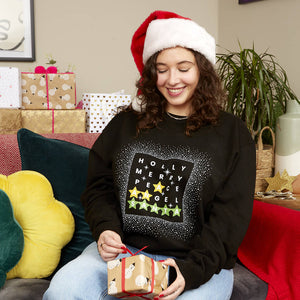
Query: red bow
[133, 254]
[42, 70]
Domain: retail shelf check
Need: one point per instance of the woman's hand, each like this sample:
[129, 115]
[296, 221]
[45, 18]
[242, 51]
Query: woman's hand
[177, 287]
[110, 245]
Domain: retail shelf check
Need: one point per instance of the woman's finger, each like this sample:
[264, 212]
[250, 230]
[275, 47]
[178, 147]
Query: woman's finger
[177, 287]
[111, 239]
[110, 245]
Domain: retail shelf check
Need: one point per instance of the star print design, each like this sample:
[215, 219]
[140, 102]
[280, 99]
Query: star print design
[160, 188]
[156, 186]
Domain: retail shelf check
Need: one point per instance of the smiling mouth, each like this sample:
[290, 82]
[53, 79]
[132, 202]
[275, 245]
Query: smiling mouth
[175, 92]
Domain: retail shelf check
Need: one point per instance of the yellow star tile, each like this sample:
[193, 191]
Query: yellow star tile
[290, 180]
[276, 183]
[158, 187]
[134, 192]
[146, 195]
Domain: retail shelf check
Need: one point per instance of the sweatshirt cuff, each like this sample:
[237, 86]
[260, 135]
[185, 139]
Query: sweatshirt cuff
[191, 273]
[97, 231]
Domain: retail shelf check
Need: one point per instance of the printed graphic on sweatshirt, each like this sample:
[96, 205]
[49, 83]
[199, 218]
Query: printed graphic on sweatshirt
[156, 187]
[160, 188]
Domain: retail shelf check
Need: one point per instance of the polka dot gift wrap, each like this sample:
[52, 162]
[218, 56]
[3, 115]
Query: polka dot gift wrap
[101, 108]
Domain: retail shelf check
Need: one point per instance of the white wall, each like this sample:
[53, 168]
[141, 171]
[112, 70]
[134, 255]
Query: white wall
[95, 36]
[271, 25]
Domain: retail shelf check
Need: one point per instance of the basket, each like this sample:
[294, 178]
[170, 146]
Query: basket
[265, 158]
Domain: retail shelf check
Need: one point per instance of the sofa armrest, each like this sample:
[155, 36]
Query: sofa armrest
[271, 250]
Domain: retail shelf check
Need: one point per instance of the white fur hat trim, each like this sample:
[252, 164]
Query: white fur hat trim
[168, 33]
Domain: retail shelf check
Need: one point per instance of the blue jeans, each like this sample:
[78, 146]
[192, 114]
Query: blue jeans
[85, 278]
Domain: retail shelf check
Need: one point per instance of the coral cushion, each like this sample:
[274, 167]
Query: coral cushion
[48, 224]
[11, 237]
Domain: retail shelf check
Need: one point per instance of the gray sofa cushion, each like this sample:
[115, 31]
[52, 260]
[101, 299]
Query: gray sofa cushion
[24, 289]
[246, 286]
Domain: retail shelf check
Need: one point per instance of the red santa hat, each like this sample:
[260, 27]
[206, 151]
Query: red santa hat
[162, 30]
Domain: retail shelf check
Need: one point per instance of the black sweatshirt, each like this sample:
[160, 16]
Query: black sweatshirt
[188, 197]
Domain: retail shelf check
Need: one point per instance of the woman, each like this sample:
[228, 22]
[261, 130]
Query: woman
[177, 176]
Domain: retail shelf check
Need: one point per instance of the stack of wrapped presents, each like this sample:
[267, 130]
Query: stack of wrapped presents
[44, 101]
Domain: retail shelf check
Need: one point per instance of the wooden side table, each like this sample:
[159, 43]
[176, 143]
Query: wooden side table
[293, 204]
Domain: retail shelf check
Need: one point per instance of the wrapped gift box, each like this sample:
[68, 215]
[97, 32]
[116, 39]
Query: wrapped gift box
[42, 121]
[48, 90]
[101, 108]
[10, 87]
[54, 121]
[10, 121]
[136, 277]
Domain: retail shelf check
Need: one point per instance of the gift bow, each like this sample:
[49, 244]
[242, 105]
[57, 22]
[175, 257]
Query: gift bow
[42, 70]
[123, 277]
[133, 254]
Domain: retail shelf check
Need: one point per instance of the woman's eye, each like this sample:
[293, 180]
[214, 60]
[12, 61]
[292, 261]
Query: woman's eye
[161, 71]
[183, 70]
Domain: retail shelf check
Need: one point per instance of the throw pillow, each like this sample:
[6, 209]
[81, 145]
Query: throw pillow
[65, 165]
[11, 238]
[47, 224]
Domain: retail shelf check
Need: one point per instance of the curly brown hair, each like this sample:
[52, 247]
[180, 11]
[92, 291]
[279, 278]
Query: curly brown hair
[207, 101]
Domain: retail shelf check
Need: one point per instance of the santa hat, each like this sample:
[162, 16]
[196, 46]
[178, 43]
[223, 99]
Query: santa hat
[162, 30]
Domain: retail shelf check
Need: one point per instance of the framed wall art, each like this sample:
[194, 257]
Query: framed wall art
[247, 1]
[17, 30]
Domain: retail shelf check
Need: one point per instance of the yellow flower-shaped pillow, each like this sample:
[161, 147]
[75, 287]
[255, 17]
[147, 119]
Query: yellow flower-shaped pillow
[47, 224]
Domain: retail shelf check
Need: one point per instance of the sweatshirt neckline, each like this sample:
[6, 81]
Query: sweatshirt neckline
[175, 118]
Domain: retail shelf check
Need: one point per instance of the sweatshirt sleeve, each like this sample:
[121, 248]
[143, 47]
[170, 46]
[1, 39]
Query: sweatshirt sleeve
[215, 247]
[102, 209]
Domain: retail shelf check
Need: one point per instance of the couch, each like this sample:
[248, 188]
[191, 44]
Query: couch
[37, 149]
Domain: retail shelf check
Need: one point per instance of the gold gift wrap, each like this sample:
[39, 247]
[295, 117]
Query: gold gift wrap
[10, 121]
[48, 90]
[136, 275]
[54, 121]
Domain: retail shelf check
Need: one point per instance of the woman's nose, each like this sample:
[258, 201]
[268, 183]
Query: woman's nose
[173, 77]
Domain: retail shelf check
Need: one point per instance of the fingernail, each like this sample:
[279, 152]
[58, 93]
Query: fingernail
[161, 260]
[161, 295]
[124, 252]
[123, 247]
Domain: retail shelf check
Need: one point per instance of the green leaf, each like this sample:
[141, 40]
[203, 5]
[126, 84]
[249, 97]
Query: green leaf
[257, 87]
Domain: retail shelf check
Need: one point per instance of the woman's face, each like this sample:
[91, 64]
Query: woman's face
[177, 78]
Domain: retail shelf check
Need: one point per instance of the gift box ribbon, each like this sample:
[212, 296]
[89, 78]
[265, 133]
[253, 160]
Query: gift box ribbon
[50, 70]
[128, 294]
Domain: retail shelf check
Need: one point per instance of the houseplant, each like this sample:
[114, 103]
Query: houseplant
[257, 88]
